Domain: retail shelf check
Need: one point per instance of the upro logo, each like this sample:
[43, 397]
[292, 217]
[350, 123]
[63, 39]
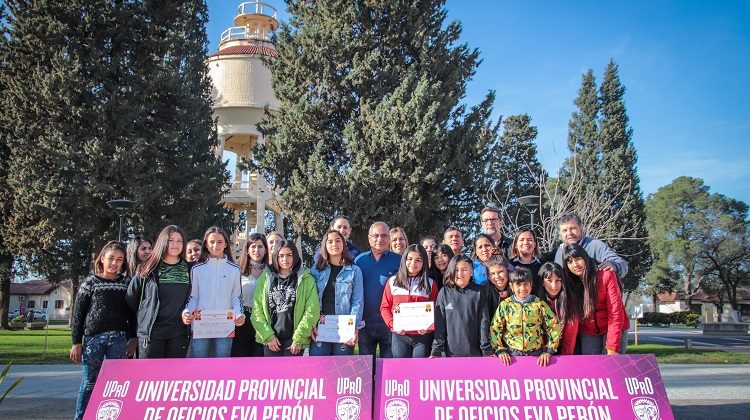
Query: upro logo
[645, 408]
[109, 410]
[347, 408]
[397, 409]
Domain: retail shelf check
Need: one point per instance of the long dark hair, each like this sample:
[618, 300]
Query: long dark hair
[514, 250]
[297, 262]
[450, 273]
[589, 295]
[402, 277]
[565, 302]
[475, 243]
[323, 257]
[227, 244]
[160, 250]
[245, 258]
[131, 254]
[98, 266]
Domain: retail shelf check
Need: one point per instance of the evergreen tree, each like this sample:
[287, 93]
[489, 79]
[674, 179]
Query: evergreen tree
[106, 99]
[519, 172]
[583, 133]
[6, 257]
[369, 123]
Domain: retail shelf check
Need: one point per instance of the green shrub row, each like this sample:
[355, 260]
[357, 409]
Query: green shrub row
[688, 318]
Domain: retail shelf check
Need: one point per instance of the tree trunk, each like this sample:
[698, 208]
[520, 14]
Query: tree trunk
[6, 275]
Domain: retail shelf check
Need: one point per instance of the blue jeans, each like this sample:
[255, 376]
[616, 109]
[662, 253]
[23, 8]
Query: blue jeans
[371, 337]
[200, 347]
[412, 345]
[330, 349]
[109, 345]
[597, 344]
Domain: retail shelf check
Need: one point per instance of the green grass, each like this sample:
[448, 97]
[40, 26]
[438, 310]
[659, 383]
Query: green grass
[26, 347]
[678, 355]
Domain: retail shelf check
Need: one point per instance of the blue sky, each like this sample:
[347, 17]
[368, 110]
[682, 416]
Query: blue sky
[685, 64]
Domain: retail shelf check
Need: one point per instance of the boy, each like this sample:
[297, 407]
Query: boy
[524, 323]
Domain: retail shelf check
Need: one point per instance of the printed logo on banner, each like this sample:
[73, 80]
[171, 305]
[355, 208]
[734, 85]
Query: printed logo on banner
[109, 410]
[645, 408]
[347, 408]
[397, 409]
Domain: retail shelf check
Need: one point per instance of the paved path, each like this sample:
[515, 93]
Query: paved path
[696, 392]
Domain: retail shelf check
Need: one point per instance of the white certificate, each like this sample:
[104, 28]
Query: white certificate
[336, 328]
[213, 324]
[414, 316]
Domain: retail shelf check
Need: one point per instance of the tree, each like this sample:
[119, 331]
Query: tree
[106, 99]
[659, 279]
[6, 257]
[369, 123]
[600, 141]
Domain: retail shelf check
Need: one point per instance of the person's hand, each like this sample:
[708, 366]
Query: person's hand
[543, 359]
[187, 318]
[295, 348]
[314, 334]
[239, 320]
[132, 345]
[612, 352]
[422, 332]
[402, 332]
[274, 344]
[606, 266]
[354, 340]
[505, 358]
[76, 352]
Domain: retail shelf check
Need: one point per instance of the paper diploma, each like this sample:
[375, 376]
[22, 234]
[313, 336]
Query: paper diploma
[213, 324]
[336, 328]
[414, 316]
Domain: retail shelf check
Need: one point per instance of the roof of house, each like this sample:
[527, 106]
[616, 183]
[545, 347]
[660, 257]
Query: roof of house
[698, 297]
[38, 287]
[246, 49]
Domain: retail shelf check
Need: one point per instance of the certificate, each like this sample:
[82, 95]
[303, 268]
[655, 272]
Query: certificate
[336, 328]
[414, 316]
[213, 324]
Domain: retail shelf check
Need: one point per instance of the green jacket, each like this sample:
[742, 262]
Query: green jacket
[306, 310]
[524, 326]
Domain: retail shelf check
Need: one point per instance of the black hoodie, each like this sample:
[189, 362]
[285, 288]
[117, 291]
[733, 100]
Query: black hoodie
[462, 322]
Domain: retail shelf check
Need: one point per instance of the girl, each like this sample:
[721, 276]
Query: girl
[273, 239]
[429, 243]
[340, 290]
[285, 305]
[139, 249]
[253, 266]
[461, 330]
[440, 258]
[604, 324]
[158, 293]
[484, 249]
[497, 288]
[399, 241]
[344, 226]
[215, 286]
[556, 293]
[193, 250]
[525, 253]
[410, 284]
[102, 321]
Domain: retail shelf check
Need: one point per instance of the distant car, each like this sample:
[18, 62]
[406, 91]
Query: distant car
[13, 314]
[37, 314]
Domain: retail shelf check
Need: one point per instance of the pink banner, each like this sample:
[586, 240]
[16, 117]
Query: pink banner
[571, 387]
[267, 388]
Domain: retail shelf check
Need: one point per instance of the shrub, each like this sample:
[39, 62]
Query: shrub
[656, 318]
[688, 318]
[18, 319]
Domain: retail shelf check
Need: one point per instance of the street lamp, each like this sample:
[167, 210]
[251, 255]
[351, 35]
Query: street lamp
[530, 203]
[121, 207]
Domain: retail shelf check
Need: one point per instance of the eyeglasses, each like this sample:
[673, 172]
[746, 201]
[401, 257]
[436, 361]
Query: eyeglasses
[494, 219]
[376, 236]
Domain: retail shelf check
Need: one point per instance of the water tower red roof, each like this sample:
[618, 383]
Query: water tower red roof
[246, 49]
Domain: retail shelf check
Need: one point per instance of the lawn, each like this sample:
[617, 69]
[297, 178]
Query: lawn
[26, 347]
[678, 355]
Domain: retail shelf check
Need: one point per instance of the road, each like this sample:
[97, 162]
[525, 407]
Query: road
[677, 336]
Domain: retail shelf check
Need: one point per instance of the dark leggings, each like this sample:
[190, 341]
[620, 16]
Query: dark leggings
[244, 344]
[411, 345]
[169, 348]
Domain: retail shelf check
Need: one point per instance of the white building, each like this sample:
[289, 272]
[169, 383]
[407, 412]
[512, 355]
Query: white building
[43, 296]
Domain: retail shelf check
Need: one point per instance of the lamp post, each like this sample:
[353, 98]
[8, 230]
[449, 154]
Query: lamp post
[121, 207]
[530, 203]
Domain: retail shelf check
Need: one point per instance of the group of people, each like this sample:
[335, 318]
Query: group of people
[503, 299]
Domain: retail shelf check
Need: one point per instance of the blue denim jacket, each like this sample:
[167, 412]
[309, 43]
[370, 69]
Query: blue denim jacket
[349, 290]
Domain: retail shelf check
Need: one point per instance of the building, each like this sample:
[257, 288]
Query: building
[242, 93]
[705, 305]
[43, 296]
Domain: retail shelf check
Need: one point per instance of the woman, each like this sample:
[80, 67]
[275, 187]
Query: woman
[340, 290]
[253, 267]
[557, 294]
[158, 293]
[193, 250]
[429, 243]
[484, 249]
[273, 239]
[138, 251]
[525, 253]
[285, 305]
[441, 256]
[399, 241]
[604, 323]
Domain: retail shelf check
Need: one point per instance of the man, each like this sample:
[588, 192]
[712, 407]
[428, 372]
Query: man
[492, 224]
[454, 239]
[377, 265]
[571, 233]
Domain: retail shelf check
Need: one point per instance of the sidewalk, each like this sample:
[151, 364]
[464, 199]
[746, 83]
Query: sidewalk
[695, 391]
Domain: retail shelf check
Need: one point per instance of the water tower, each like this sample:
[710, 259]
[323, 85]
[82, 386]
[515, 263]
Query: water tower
[241, 92]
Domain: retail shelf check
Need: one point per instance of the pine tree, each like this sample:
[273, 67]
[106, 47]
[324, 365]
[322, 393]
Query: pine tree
[369, 123]
[519, 172]
[583, 132]
[6, 257]
[106, 99]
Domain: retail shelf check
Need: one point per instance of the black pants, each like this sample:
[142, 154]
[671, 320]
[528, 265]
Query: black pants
[411, 345]
[170, 348]
[244, 344]
[284, 351]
